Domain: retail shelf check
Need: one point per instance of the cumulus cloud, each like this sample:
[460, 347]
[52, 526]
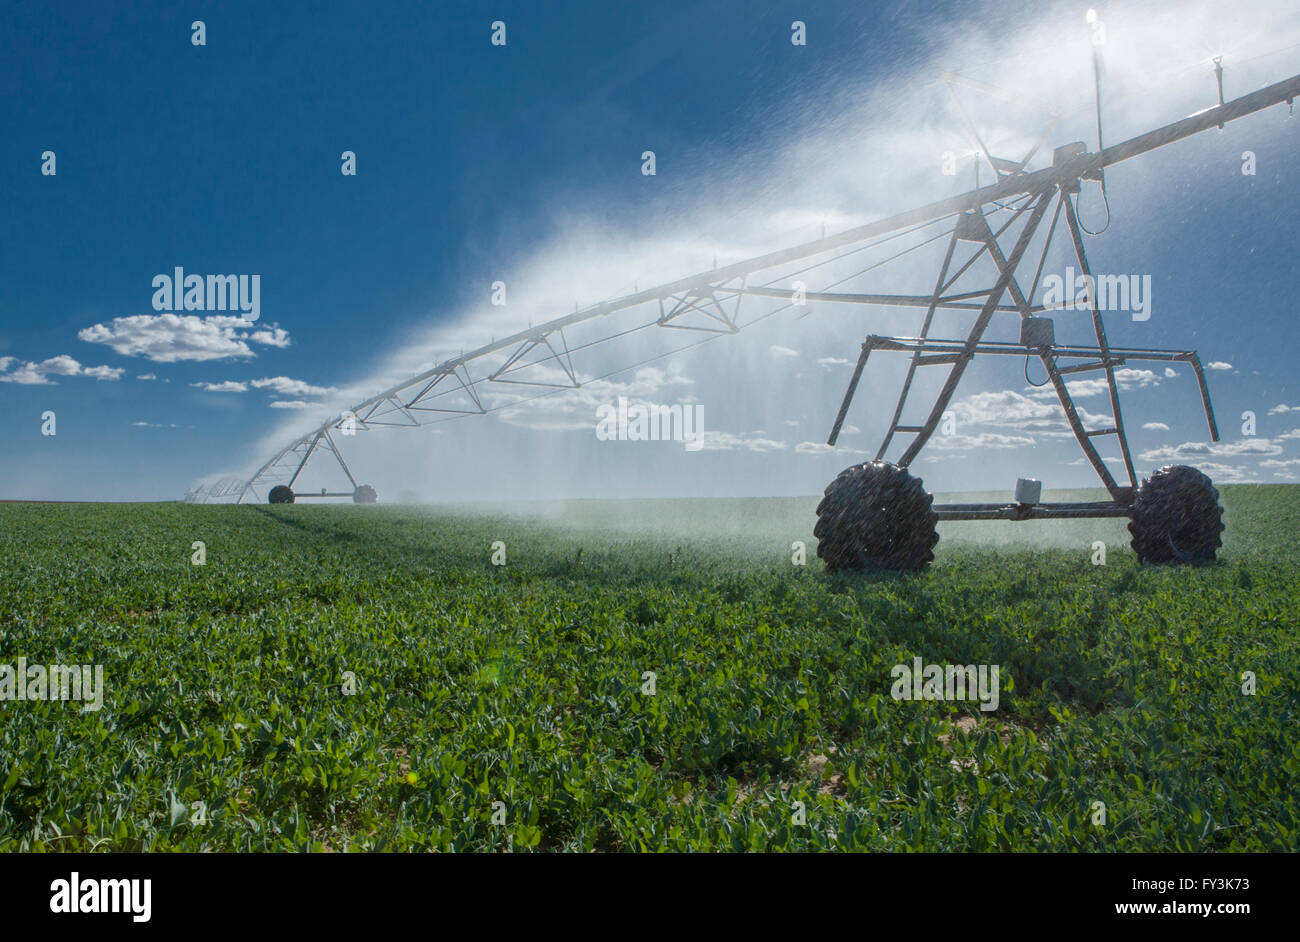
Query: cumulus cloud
[821, 448]
[280, 385]
[285, 386]
[146, 376]
[1170, 372]
[1294, 433]
[1125, 379]
[169, 338]
[27, 375]
[61, 365]
[108, 373]
[1282, 409]
[229, 386]
[1218, 365]
[1227, 473]
[1010, 409]
[828, 362]
[38, 374]
[729, 441]
[289, 404]
[783, 351]
[274, 337]
[983, 440]
[1155, 426]
[1191, 451]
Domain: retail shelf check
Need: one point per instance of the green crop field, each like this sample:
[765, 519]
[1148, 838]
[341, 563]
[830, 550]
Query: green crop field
[348, 678]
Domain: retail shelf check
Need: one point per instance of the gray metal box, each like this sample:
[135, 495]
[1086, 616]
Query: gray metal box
[1037, 332]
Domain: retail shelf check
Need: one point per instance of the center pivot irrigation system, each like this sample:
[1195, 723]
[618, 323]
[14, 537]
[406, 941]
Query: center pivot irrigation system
[876, 514]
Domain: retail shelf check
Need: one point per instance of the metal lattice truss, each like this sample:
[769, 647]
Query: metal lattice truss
[992, 229]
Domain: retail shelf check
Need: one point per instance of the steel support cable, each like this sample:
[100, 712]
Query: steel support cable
[895, 257]
[781, 277]
[882, 241]
[623, 369]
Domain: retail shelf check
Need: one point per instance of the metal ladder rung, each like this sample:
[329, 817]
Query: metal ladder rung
[1103, 431]
[909, 428]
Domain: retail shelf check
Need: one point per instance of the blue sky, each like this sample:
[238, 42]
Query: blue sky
[477, 162]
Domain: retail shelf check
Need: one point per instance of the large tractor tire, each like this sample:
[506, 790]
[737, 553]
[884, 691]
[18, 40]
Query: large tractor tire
[1177, 517]
[876, 516]
[280, 494]
[365, 494]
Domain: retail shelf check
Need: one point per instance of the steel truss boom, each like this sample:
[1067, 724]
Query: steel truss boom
[704, 294]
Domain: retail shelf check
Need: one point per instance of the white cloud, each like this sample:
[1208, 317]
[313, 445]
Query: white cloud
[1294, 433]
[289, 404]
[1278, 463]
[1218, 365]
[1170, 372]
[983, 440]
[1155, 426]
[146, 376]
[108, 373]
[285, 386]
[793, 423]
[1282, 409]
[821, 448]
[229, 386]
[1226, 473]
[1010, 409]
[28, 374]
[168, 338]
[783, 351]
[1190, 451]
[61, 365]
[827, 362]
[727, 441]
[275, 337]
[37, 374]
[1125, 379]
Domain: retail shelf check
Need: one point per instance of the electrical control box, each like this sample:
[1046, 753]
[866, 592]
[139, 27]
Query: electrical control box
[1037, 332]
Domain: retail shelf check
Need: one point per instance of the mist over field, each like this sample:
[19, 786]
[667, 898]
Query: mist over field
[839, 149]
